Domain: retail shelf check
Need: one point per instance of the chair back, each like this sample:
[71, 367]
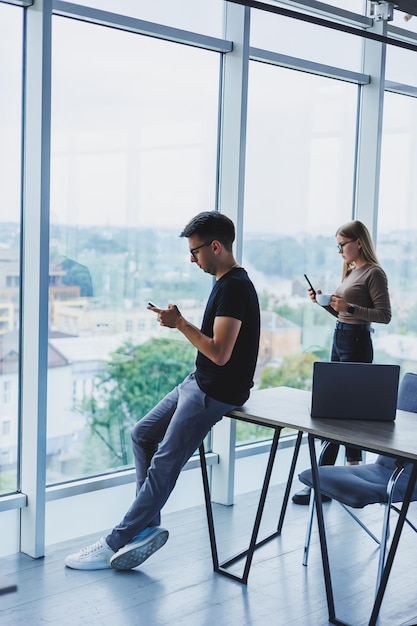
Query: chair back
[407, 401]
[407, 393]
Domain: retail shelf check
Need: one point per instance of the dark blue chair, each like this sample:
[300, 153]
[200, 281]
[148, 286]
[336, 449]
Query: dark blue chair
[383, 482]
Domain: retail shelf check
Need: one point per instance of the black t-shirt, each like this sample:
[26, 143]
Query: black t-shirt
[233, 295]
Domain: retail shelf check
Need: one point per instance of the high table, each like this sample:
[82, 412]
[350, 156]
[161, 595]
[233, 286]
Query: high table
[284, 407]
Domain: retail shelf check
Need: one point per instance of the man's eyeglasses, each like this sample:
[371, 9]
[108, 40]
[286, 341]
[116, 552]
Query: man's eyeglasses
[340, 246]
[203, 245]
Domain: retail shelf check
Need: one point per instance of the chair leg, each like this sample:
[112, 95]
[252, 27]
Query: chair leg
[309, 527]
[383, 545]
[359, 521]
[385, 526]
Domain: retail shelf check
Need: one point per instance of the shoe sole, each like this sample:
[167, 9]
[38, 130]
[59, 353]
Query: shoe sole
[130, 557]
[86, 566]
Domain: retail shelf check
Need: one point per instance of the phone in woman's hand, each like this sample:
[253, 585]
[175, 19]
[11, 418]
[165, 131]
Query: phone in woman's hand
[311, 286]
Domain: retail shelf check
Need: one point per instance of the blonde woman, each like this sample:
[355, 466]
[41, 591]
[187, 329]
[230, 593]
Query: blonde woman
[361, 298]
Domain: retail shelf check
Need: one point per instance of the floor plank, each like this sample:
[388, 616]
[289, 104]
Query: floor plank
[177, 586]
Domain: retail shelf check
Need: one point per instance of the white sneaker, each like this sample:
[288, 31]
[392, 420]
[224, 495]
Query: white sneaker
[140, 548]
[96, 556]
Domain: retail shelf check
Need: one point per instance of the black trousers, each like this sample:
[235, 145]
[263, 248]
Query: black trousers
[353, 343]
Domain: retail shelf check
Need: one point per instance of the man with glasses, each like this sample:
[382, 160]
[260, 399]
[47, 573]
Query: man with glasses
[165, 438]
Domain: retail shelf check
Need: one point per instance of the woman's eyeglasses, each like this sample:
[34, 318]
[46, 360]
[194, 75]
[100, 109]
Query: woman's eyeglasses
[340, 246]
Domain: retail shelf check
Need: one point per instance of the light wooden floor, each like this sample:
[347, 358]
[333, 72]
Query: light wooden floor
[177, 586]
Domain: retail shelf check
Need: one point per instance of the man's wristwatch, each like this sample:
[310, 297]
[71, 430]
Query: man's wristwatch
[351, 309]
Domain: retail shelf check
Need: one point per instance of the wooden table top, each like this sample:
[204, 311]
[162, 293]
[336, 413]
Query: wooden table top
[288, 407]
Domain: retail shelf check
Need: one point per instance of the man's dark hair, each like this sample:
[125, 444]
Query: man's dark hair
[210, 225]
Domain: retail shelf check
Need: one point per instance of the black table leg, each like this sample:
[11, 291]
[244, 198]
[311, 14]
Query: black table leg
[221, 568]
[322, 534]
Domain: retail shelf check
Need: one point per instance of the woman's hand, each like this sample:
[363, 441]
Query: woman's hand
[312, 294]
[339, 304]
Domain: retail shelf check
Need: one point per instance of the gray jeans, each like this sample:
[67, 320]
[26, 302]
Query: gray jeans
[163, 441]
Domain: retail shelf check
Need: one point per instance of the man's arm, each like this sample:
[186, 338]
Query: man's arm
[218, 348]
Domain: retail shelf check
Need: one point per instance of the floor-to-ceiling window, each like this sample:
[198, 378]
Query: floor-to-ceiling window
[134, 152]
[397, 224]
[397, 221]
[299, 187]
[10, 194]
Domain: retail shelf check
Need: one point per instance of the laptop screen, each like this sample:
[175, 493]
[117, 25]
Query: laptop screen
[363, 391]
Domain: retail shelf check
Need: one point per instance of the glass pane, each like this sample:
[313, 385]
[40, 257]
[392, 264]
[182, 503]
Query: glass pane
[134, 149]
[397, 229]
[401, 66]
[306, 41]
[201, 16]
[10, 161]
[299, 181]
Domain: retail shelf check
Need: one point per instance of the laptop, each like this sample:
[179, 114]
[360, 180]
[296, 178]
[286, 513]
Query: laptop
[349, 391]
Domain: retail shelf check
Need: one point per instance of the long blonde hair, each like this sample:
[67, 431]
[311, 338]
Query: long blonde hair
[356, 230]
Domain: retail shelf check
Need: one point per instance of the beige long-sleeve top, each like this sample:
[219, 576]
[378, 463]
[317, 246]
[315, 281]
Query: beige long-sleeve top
[367, 288]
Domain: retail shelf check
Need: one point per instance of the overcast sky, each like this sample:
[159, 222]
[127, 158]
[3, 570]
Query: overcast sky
[135, 125]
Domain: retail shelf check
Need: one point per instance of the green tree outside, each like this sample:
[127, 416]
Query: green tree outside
[138, 376]
[134, 380]
[295, 371]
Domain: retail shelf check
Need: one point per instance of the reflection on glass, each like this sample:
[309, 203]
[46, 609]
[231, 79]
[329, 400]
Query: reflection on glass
[299, 182]
[134, 130]
[10, 116]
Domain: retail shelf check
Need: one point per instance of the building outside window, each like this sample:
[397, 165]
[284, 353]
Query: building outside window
[6, 428]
